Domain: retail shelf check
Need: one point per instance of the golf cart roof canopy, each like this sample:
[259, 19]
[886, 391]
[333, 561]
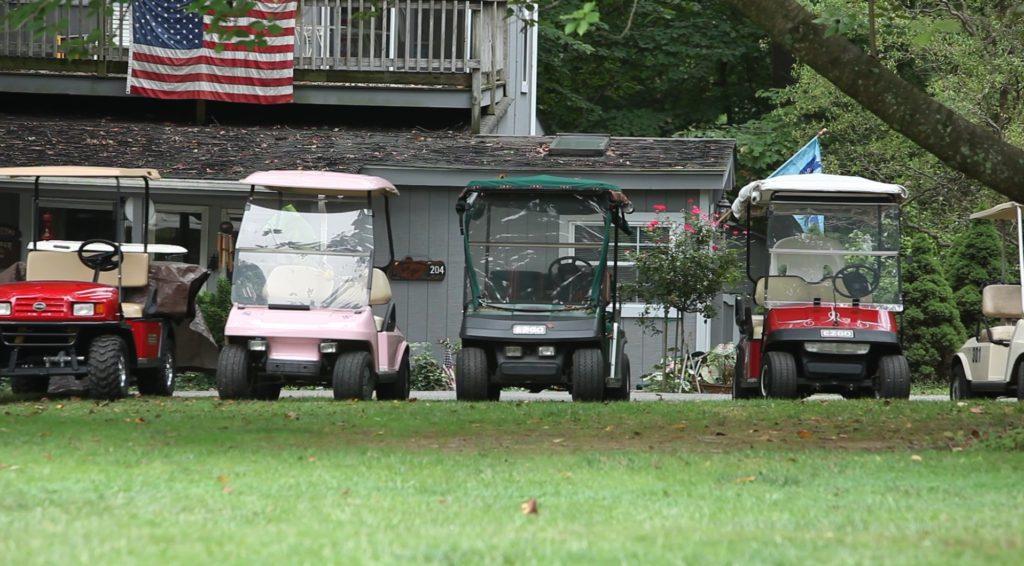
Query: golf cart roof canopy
[815, 185]
[551, 183]
[1005, 211]
[78, 171]
[321, 183]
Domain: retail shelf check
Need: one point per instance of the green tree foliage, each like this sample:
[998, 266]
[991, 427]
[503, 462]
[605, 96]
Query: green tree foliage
[648, 68]
[932, 332]
[215, 307]
[975, 260]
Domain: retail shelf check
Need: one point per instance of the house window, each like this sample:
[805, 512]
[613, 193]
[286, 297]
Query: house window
[629, 246]
[183, 226]
[76, 220]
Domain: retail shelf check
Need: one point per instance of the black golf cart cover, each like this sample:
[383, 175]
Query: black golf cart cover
[552, 182]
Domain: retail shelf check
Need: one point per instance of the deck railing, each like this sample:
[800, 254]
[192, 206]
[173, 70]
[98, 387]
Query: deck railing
[437, 36]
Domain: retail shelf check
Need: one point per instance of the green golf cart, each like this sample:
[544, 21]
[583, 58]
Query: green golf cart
[541, 309]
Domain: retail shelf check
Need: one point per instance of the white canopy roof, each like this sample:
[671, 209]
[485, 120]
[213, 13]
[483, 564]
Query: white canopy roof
[77, 171]
[760, 192]
[321, 183]
[1005, 211]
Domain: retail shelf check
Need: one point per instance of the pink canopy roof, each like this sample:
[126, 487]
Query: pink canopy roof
[321, 183]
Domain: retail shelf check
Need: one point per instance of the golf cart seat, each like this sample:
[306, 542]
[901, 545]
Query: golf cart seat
[46, 265]
[298, 284]
[811, 267]
[380, 294]
[1000, 302]
[791, 288]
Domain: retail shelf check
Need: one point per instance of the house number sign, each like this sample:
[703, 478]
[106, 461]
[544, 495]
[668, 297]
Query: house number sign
[409, 269]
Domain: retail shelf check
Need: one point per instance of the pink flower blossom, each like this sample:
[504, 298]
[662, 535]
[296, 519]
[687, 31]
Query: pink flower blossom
[714, 248]
[689, 201]
[735, 232]
[695, 210]
[660, 208]
[689, 228]
[652, 224]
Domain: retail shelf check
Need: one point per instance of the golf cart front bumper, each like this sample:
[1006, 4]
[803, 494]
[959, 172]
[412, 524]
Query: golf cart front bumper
[824, 367]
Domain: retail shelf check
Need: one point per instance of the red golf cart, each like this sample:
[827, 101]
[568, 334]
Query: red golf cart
[92, 309]
[829, 289]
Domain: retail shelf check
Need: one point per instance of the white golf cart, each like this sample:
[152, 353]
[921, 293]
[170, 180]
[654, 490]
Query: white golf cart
[989, 364]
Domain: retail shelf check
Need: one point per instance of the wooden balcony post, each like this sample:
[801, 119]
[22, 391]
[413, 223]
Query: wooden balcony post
[475, 101]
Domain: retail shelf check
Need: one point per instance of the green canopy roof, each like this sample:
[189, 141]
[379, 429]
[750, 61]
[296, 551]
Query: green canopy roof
[543, 182]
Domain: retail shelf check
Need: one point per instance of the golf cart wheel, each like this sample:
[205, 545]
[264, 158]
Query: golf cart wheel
[778, 376]
[160, 381]
[959, 387]
[893, 377]
[621, 393]
[235, 373]
[398, 389]
[472, 376]
[588, 375]
[108, 368]
[27, 385]
[353, 376]
[1020, 382]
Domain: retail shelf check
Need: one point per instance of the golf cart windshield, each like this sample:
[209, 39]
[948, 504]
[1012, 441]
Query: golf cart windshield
[536, 252]
[303, 259]
[838, 253]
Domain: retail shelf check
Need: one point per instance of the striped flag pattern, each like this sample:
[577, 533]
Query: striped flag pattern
[174, 55]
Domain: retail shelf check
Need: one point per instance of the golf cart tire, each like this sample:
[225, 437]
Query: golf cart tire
[893, 377]
[108, 368]
[398, 390]
[234, 373]
[28, 385]
[472, 376]
[1020, 382]
[778, 376]
[353, 376]
[959, 387]
[159, 381]
[588, 375]
[621, 393]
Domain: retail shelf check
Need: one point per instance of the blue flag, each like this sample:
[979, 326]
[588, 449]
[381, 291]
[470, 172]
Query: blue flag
[807, 160]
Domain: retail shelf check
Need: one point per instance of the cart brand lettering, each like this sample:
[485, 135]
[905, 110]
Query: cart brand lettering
[151, 338]
[529, 329]
[836, 333]
[39, 306]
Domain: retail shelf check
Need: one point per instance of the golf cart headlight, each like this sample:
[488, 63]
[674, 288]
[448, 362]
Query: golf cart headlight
[546, 351]
[83, 309]
[513, 351]
[5, 309]
[843, 348]
[258, 345]
[328, 347]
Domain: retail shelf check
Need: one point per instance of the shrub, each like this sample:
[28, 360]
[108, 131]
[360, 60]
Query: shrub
[215, 307]
[426, 373]
[932, 331]
[975, 261]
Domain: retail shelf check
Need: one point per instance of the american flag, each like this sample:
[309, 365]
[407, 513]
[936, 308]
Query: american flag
[174, 55]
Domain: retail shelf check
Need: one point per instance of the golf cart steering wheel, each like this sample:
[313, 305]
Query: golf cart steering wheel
[555, 273]
[100, 260]
[859, 280]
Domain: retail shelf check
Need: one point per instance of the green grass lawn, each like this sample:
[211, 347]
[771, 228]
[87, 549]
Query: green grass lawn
[316, 481]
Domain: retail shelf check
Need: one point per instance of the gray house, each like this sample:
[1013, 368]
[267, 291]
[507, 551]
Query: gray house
[199, 190]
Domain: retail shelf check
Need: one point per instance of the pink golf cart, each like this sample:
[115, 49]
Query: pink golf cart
[304, 293]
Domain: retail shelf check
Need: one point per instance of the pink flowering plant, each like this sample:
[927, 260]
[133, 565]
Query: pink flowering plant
[688, 269]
